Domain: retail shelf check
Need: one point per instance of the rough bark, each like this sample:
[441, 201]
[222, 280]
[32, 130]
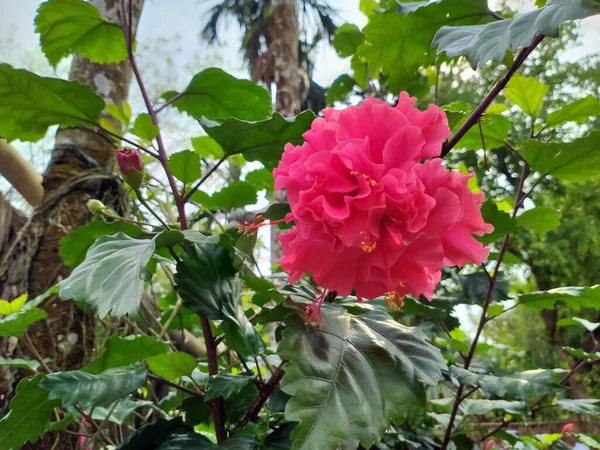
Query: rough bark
[79, 170]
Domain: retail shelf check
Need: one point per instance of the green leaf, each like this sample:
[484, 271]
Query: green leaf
[502, 222]
[144, 128]
[518, 386]
[495, 133]
[152, 435]
[259, 141]
[199, 237]
[241, 336]
[206, 147]
[16, 324]
[20, 363]
[579, 111]
[122, 411]
[110, 278]
[527, 93]
[368, 6]
[226, 384]
[588, 440]
[14, 306]
[578, 321]
[235, 195]
[575, 297]
[348, 378]
[580, 406]
[29, 104]
[126, 351]
[75, 26]
[540, 220]
[89, 390]
[74, 246]
[117, 113]
[573, 161]
[30, 411]
[399, 44]
[261, 179]
[214, 94]
[240, 442]
[346, 40]
[185, 166]
[482, 43]
[581, 354]
[188, 441]
[172, 366]
[339, 89]
[480, 407]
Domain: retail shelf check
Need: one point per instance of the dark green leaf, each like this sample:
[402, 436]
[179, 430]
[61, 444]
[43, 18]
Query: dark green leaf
[206, 147]
[241, 336]
[579, 111]
[29, 104]
[152, 435]
[214, 94]
[261, 179]
[339, 89]
[226, 384]
[144, 128]
[581, 354]
[580, 406]
[277, 211]
[122, 411]
[475, 287]
[172, 366]
[502, 222]
[570, 161]
[482, 43]
[110, 278]
[575, 297]
[74, 246]
[364, 369]
[579, 322]
[75, 26]
[235, 195]
[185, 166]
[188, 441]
[240, 442]
[126, 351]
[527, 93]
[16, 324]
[30, 411]
[540, 220]
[237, 406]
[88, 390]
[259, 141]
[346, 40]
[196, 411]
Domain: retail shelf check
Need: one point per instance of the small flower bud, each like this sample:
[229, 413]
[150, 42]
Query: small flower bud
[131, 165]
[95, 206]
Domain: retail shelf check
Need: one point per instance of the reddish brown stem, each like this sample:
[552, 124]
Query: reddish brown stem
[263, 396]
[217, 405]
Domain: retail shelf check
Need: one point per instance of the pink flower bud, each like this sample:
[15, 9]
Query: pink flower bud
[129, 160]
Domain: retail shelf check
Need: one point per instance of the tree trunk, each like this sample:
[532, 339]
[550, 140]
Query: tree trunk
[79, 170]
[283, 49]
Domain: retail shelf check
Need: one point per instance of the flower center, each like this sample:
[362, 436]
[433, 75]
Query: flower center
[370, 180]
[260, 221]
[313, 311]
[367, 244]
[394, 300]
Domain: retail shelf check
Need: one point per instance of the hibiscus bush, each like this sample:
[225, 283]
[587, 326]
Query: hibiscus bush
[401, 218]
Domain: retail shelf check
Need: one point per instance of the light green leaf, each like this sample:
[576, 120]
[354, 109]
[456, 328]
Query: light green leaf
[480, 407]
[226, 384]
[126, 351]
[482, 43]
[214, 94]
[75, 26]
[368, 6]
[88, 390]
[13, 306]
[495, 133]
[339, 89]
[575, 297]
[346, 40]
[580, 406]
[573, 161]
[578, 321]
[495, 309]
[259, 141]
[206, 147]
[118, 114]
[199, 237]
[581, 354]
[74, 246]
[30, 411]
[172, 366]
[110, 278]
[399, 44]
[540, 220]
[518, 386]
[350, 376]
[588, 440]
[123, 410]
[29, 104]
[235, 195]
[527, 93]
[16, 323]
[579, 111]
[185, 166]
[20, 363]
[144, 128]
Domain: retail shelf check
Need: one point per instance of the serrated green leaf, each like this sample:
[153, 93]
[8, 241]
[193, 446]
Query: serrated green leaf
[259, 141]
[185, 166]
[76, 26]
[89, 390]
[518, 386]
[527, 93]
[580, 406]
[261, 179]
[29, 104]
[214, 94]
[110, 277]
[570, 161]
[152, 435]
[346, 40]
[579, 322]
[502, 222]
[540, 220]
[575, 297]
[480, 407]
[122, 411]
[74, 246]
[20, 363]
[30, 411]
[482, 43]
[578, 111]
[495, 133]
[241, 336]
[226, 384]
[206, 146]
[144, 128]
[172, 366]
[235, 195]
[126, 351]
[339, 89]
[365, 369]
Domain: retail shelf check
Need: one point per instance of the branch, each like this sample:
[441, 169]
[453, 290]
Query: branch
[264, 395]
[176, 386]
[474, 117]
[205, 177]
[20, 174]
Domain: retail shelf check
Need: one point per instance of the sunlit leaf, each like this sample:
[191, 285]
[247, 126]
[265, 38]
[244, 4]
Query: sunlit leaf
[540, 220]
[579, 111]
[527, 93]
[346, 40]
[172, 366]
[185, 166]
